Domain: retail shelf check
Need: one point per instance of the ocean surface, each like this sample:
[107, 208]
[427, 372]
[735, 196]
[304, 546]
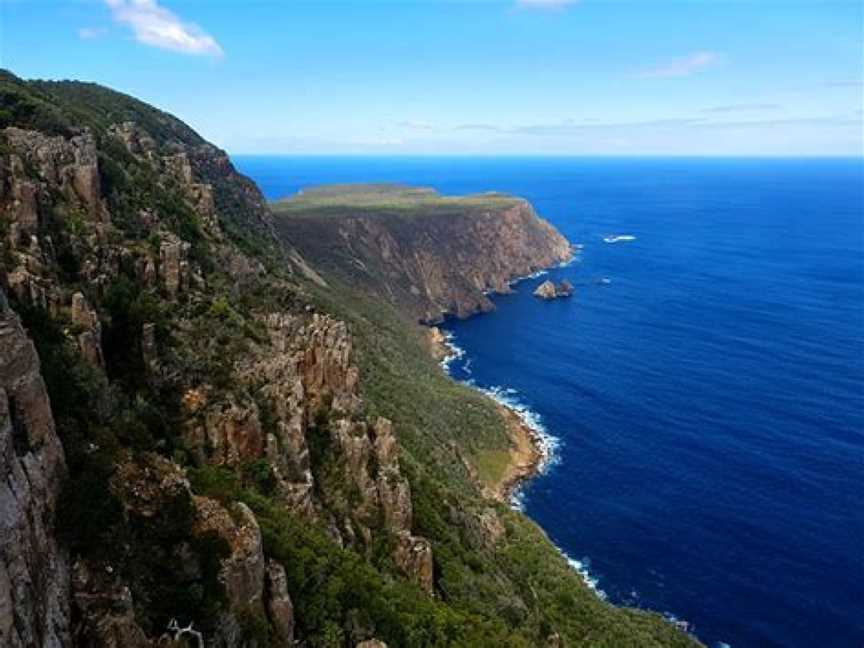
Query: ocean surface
[705, 385]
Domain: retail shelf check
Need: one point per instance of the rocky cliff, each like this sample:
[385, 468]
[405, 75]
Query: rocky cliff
[34, 569]
[196, 441]
[430, 255]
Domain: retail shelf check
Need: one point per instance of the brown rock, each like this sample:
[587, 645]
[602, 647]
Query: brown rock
[90, 339]
[70, 165]
[151, 484]
[414, 557]
[548, 290]
[172, 253]
[242, 572]
[106, 610]
[279, 606]
[554, 641]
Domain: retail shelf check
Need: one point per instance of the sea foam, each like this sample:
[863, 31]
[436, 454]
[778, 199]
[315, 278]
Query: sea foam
[581, 567]
[618, 238]
[547, 443]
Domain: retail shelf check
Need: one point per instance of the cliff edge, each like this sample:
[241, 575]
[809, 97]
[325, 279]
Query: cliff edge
[428, 254]
[204, 436]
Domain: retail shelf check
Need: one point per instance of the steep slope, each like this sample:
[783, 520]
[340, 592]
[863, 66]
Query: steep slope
[34, 570]
[251, 453]
[430, 255]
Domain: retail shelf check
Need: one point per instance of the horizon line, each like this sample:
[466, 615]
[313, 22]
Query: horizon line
[727, 156]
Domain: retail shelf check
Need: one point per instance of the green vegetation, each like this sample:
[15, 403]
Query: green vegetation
[64, 107]
[505, 586]
[100, 424]
[522, 581]
[385, 201]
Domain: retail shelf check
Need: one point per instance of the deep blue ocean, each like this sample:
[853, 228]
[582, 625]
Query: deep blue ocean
[708, 399]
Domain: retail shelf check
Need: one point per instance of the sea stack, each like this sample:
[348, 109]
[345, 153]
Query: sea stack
[548, 290]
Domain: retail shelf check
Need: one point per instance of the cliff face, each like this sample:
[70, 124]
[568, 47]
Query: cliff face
[34, 570]
[429, 255]
[192, 449]
[138, 255]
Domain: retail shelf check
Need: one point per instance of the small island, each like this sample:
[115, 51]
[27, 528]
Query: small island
[548, 290]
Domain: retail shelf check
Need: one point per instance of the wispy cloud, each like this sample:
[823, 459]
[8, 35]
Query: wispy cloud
[683, 67]
[544, 4]
[742, 107]
[91, 33]
[158, 27]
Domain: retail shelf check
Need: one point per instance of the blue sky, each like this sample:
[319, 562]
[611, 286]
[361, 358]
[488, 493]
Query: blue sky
[587, 77]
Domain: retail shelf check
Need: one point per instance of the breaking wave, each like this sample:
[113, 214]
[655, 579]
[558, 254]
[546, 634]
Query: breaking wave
[548, 444]
[618, 238]
[582, 568]
[454, 352]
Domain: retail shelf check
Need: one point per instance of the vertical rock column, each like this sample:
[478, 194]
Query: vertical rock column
[34, 571]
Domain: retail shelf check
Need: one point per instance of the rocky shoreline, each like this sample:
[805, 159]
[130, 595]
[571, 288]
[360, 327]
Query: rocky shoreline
[529, 452]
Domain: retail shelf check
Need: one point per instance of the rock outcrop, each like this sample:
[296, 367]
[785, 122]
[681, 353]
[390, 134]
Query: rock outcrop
[105, 610]
[34, 570]
[280, 608]
[548, 290]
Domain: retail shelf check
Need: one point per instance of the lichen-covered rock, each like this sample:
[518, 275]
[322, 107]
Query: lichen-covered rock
[280, 609]
[34, 571]
[90, 336]
[105, 609]
[414, 557]
[242, 572]
[68, 164]
[173, 264]
[151, 485]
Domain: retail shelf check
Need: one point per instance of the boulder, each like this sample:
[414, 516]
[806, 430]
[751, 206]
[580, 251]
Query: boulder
[546, 290]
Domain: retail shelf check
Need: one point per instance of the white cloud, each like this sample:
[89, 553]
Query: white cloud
[91, 33]
[682, 67]
[544, 4]
[156, 26]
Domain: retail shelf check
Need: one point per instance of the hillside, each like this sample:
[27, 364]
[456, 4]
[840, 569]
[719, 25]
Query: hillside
[200, 426]
[429, 255]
